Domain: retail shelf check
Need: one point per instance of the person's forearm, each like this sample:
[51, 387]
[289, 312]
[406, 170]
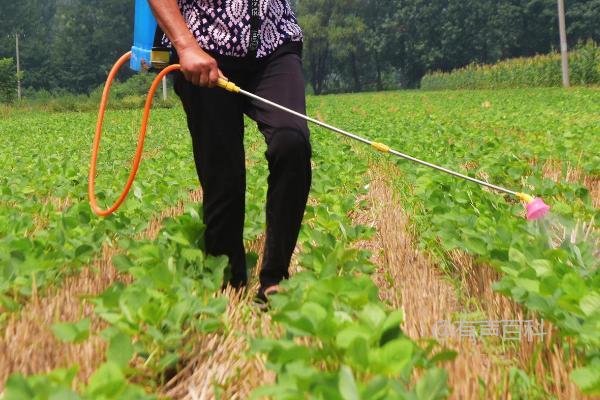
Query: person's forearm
[171, 21]
[196, 65]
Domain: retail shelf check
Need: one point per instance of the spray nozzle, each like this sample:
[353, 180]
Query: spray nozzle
[536, 208]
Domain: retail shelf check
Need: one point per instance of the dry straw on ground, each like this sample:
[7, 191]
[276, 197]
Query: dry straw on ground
[40, 221]
[28, 345]
[409, 279]
[221, 362]
[553, 169]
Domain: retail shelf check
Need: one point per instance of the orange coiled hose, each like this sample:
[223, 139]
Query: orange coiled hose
[140, 146]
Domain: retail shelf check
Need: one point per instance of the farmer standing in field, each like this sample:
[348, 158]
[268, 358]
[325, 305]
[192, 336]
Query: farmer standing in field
[257, 44]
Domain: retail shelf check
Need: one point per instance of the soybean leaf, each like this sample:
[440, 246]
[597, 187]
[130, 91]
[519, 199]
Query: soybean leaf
[72, 332]
[347, 384]
[120, 350]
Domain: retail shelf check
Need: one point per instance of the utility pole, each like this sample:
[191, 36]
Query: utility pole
[18, 67]
[164, 87]
[564, 51]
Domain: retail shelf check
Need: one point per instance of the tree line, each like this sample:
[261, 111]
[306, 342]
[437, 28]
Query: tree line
[350, 45]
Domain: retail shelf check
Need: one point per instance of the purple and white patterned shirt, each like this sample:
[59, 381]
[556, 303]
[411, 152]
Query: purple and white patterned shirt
[224, 26]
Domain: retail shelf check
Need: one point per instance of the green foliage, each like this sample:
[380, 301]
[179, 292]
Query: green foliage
[551, 266]
[107, 383]
[52, 189]
[521, 386]
[72, 332]
[66, 44]
[585, 65]
[175, 295]
[8, 80]
[129, 94]
[338, 340]
[56, 384]
[170, 297]
[588, 378]
[523, 72]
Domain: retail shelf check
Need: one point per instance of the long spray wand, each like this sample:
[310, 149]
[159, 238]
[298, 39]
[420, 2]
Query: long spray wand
[536, 208]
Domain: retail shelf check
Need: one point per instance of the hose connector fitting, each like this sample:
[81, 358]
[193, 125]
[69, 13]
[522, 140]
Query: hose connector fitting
[525, 198]
[229, 86]
[384, 148]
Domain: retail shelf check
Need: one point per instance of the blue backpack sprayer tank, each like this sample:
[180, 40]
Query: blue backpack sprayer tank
[147, 55]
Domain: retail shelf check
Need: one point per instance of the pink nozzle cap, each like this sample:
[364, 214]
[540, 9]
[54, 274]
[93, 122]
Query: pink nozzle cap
[536, 209]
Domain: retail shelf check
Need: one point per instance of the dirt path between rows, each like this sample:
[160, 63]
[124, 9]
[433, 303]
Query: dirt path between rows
[411, 280]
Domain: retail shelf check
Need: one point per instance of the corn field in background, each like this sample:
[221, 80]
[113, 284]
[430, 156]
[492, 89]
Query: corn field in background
[538, 71]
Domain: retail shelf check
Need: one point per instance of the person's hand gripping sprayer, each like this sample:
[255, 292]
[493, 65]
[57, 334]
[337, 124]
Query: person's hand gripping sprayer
[196, 65]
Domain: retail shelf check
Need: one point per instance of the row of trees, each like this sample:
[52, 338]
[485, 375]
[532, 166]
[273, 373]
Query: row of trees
[349, 44]
[66, 44]
[370, 44]
[8, 80]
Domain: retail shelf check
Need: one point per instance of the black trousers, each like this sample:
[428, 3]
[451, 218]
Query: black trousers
[215, 121]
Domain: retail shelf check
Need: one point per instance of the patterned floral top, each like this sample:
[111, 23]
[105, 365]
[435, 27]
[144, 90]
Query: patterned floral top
[226, 26]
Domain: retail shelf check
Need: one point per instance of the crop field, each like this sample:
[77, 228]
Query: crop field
[406, 283]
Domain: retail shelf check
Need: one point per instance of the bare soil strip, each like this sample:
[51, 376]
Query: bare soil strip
[28, 345]
[410, 280]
